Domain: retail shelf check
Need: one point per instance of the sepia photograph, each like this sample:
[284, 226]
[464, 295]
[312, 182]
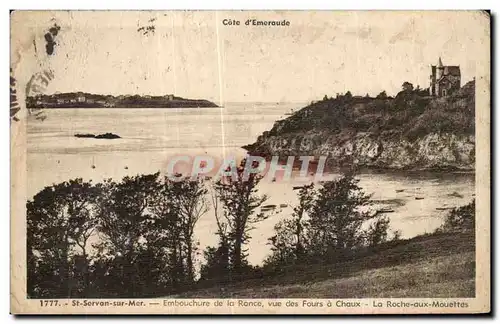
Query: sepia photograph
[250, 161]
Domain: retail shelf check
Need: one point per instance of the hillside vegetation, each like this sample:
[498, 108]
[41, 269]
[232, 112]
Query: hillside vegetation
[411, 113]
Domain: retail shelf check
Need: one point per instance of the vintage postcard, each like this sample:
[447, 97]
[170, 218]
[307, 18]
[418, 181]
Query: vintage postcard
[250, 162]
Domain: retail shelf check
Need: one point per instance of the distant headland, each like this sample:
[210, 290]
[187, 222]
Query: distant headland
[89, 100]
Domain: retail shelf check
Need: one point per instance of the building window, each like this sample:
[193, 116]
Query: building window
[444, 92]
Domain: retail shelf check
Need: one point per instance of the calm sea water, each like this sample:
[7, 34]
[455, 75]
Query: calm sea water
[151, 136]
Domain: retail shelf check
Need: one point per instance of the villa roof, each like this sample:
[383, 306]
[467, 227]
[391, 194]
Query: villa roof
[452, 70]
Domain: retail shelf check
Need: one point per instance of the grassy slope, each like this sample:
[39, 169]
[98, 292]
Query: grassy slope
[437, 265]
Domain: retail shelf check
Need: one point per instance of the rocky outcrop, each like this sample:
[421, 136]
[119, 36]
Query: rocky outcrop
[433, 151]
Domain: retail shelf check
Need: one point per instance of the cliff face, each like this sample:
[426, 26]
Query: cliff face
[410, 131]
[433, 151]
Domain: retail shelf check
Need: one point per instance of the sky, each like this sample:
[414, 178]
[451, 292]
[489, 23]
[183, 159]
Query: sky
[194, 55]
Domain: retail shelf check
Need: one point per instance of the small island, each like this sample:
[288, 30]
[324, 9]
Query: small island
[89, 100]
[100, 136]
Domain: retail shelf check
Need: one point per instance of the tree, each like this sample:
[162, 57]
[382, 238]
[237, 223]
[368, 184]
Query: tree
[422, 92]
[144, 230]
[282, 245]
[289, 244]
[59, 218]
[165, 236]
[239, 203]
[178, 206]
[332, 230]
[216, 266]
[461, 219]
[377, 233]
[190, 195]
[382, 95]
[407, 86]
[337, 216]
[124, 224]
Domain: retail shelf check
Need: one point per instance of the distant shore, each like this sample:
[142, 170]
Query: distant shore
[88, 100]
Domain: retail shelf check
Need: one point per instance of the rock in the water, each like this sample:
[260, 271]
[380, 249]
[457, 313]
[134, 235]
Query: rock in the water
[108, 136]
[100, 136]
[85, 135]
